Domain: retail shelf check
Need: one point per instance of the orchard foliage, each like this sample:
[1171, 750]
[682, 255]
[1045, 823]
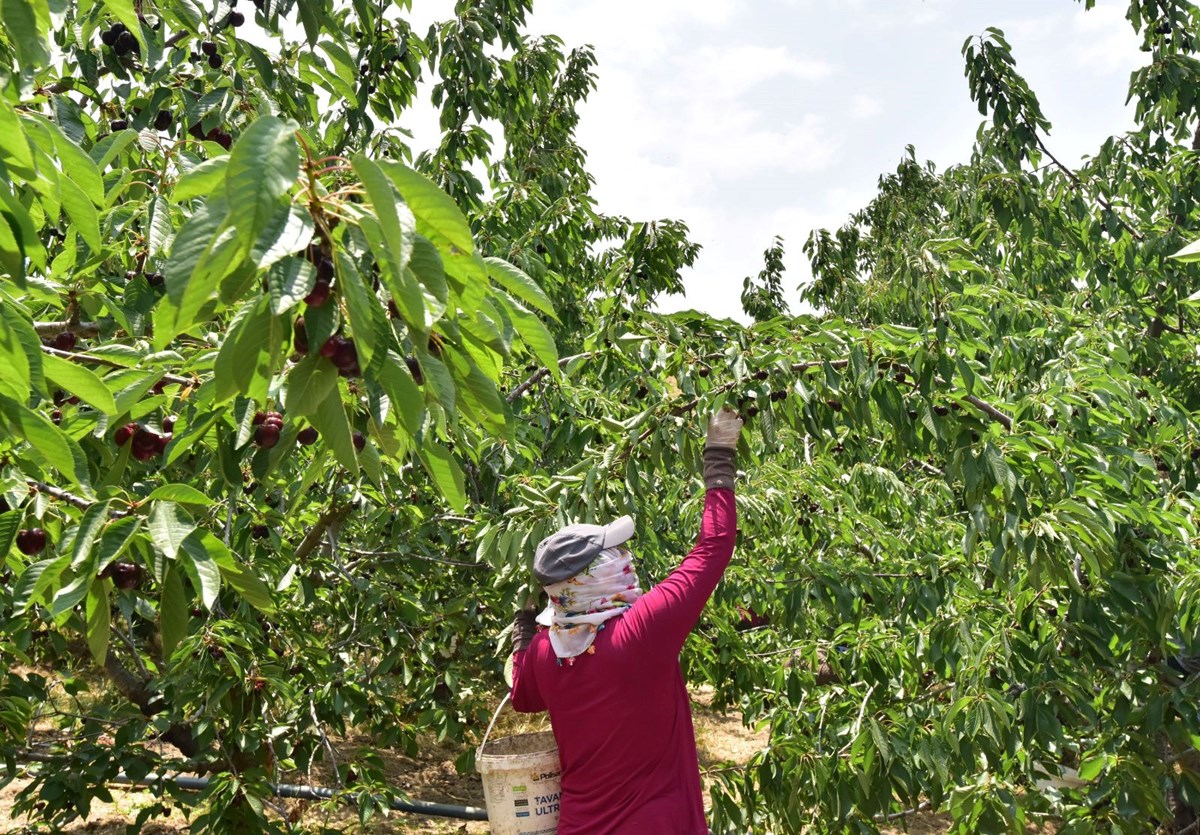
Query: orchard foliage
[288, 403]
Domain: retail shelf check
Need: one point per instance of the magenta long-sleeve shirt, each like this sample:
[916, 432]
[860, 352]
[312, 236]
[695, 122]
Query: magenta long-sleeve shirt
[621, 716]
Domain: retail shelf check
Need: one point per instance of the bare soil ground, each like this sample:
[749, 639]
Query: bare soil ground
[721, 740]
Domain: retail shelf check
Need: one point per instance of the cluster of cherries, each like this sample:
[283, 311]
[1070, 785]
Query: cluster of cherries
[341, 352]
[146, 442]
[221, 137]
[337, 349]
[319, 257]
[269, 424]
[120, 39]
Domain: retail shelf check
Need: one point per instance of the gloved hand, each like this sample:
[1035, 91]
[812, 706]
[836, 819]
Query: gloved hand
[724, 429]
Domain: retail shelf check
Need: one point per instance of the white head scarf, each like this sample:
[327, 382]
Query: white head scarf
[579, 606]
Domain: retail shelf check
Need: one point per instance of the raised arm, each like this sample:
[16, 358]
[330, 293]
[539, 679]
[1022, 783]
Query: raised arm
[663, 617]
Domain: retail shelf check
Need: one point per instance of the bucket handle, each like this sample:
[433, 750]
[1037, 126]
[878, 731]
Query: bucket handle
[492, 724]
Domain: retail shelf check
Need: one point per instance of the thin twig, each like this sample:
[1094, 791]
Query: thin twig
[312, 711]
[137, 656]
[169, 379]
[920, 807]
[70, 498]
[84, 329]
[358, 552]
[541, 373]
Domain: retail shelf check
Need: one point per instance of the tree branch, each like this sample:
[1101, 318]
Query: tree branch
[1078, 183]
[150, 704]
[312, 539]
[991, 411]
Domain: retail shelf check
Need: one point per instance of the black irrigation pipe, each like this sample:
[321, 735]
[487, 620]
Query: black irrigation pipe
[414, 807]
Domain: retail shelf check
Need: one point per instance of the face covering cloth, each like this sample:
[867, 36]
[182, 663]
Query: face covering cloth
[580, 605]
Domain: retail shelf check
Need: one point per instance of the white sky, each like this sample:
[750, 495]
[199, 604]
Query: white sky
[750, 119]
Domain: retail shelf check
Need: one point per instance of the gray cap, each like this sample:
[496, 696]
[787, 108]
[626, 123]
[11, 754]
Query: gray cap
[562, 555]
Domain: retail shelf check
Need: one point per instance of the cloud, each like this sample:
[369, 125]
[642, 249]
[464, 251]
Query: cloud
[1104, 43]
[865, 107]
[728, 71]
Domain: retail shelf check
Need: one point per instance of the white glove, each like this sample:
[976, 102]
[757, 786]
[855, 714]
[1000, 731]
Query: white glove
[724, 429]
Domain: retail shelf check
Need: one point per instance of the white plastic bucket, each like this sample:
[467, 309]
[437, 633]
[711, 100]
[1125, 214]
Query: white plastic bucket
[521, 785]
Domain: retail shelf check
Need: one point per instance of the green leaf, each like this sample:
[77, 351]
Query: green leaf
[313, 16]
[243, 364]
[437, 379]
[15, 152]
[84, 217]
[200, 546]
[111, 146]
[12, 253]
[170, 525]
[1091, 766]
[19, 225]
[173, 611]
[116, 539]
[50, 442]
[1189, 254]
[263, 166]
[365, 314]
[330, 420]
[289, 281]
[309, 383]
[182, 493]
[36, 579]
[202, 180]
[446, 474]
[26, 31]
[967, 374]
[99, 619]
[289, 230]
[10, 524]
[535, 333]
[201, 255]
[427, 268]
[1000, 469]
[76, 164]
[70, 595]
[159, 227]
[479, 396]
[520, 285]
[93, 521]
[406, 397]
[80, 381]
[214, 561]
[437, 215]
[20, 354]
[390, 235]
[194, 431]
[245, 583]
